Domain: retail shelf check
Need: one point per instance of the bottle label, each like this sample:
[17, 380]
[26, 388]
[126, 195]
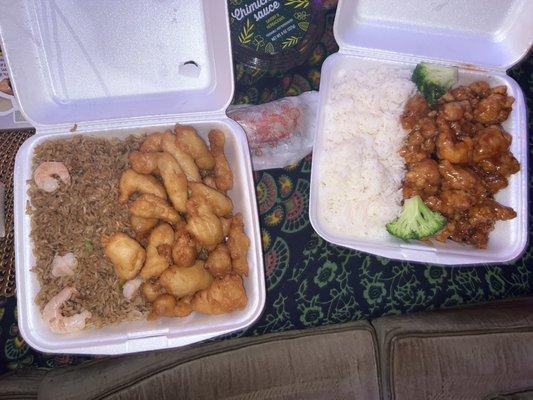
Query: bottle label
[269, 26]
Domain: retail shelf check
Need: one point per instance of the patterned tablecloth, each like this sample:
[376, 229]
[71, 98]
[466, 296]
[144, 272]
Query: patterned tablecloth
[309, 281]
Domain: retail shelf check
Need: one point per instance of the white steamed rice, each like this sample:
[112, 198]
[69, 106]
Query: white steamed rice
[361, 171]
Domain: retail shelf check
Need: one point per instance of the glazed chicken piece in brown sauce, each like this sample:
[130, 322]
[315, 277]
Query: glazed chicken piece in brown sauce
[458, 156]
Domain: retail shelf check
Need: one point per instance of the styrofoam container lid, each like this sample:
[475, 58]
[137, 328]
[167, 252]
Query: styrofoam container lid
[73, 61]
[494, 34]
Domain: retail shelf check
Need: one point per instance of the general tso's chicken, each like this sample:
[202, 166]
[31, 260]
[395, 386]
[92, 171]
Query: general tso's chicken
[219, 261]
[132, 182]
[223, 174]
[186, 281]
[220, 204]
[203, 224]
[451, 201]
[415, 108]
[417, 147]
[142, 225]
[480, 88]
[224, 295]
[490, 142]
[174, 180]
[184, 252]
[460, 178]
[144, 163]
[422, 179]
[238, 244]
[493, 109]
[150, 206]
[188, 140]
[166, 305]
[151, 290]
[126, 254]
[451, 149]
[158, 251]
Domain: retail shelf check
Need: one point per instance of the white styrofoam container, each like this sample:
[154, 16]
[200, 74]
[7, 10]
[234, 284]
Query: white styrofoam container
[483, 38]
[113, 68]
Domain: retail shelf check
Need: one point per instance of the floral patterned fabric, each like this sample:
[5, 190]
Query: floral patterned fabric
[309, 281]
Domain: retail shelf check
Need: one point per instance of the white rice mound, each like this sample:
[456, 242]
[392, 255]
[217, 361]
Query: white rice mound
[361, 171]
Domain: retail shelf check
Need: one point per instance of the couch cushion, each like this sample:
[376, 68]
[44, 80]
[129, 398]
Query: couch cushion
[333, 362]
[21, 384]
[522, 394]
[457, 354]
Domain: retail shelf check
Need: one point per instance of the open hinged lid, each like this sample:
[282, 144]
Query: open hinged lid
[492, 34]
[77, 61]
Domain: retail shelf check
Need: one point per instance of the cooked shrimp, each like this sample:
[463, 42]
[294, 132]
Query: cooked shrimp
[223, 174]
[226, 223]
[210, 181]
[188, 140]
[152, 143]
[186, 281]
[448, 148]
[131, 287]
[64, 265]
[219, 261]
[219, 203]
[57, 322]
[131, 182]
[150, 206]
[44, 175]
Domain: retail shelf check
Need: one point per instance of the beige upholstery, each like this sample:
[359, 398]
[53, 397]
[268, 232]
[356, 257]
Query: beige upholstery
[457, 354]
[336, 362]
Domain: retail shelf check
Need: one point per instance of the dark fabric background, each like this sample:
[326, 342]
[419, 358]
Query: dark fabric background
[311, 282]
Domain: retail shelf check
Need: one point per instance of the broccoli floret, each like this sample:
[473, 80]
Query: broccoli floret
[416, 221]
[434, 80]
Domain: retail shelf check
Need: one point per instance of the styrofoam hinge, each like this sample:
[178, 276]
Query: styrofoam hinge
[135, 122]
[411, 58]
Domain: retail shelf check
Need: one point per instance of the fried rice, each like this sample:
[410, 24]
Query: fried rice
[74, 218]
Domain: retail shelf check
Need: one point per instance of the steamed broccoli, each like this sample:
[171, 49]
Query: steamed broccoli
[434, 80]
[416, 221]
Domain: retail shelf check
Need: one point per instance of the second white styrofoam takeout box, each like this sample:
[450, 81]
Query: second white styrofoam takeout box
[483, 38]
[115, 69]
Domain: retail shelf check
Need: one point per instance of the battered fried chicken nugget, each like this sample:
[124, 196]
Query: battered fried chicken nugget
[203, 224]
[150, 206]
[142, 225]
[185, 160]
[188, 140]
[182, 282]
[224, 295]
[126, 254]
[238, 244]
[223, 174]
[143, 163]
[166, 305]
[209, 180]
[174, 180]
[151, 290]
[226, 223]
[219, 261]
[158, 251]
[131, 182]
[156, 143]
[184, 252]
[218, 202]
